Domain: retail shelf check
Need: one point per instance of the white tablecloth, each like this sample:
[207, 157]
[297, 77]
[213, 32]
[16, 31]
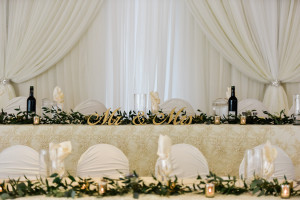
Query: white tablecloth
[222, 145]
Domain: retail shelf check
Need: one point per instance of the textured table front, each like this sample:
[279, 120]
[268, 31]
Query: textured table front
[222, 145]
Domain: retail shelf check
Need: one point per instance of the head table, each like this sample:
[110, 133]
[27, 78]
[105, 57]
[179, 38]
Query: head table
[222, 145]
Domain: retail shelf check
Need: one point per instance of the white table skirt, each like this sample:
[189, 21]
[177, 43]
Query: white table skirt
[222, 145]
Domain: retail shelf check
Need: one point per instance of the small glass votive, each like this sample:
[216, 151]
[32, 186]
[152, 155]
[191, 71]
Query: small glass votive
[285, 191]
[36, 120]
[102, 187]
[210, 190]
[243, 120]
[217, 120]
[1, 189]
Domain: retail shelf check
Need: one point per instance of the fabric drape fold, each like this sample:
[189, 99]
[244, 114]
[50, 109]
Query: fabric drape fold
[259, 37]
[138, 47]
[40, 33]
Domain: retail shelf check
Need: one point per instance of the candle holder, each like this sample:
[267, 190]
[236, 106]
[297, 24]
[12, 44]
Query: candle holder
[285, 191]
[102, 187]
[36, 120]
[243, 120]
[217, 120]
[1, 189]
[210, 190]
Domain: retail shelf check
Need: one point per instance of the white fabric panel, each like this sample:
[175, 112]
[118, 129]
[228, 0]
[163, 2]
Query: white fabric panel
[283, 165]
[17, 102]
[252, 104]
[259, 37]
[102, 160]
[90, 107]
[40, 33]
[141, 46]
[168, 106]
[187, 162]
[17, 161]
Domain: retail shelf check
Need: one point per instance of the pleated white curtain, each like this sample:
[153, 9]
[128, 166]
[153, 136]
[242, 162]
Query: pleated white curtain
[40, 33]
[260, 37]
[136, 46]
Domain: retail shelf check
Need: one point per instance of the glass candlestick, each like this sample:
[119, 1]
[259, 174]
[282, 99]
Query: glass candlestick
[210, 190]
[285, 191]
[243, 120]
[217, 120]
[36, 120]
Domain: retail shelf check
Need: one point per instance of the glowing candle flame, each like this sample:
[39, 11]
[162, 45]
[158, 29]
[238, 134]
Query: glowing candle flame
[1, 189]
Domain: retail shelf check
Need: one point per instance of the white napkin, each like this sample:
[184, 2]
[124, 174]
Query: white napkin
[58, 96]
[269, 154]
[57, 154]
[164, 147]
[155, 101]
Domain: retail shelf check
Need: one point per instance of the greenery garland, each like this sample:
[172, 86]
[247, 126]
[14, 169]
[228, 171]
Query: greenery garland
[70, 187]
[62, 117]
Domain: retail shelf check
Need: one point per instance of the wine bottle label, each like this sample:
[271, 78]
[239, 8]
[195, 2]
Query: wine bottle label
[231, 114]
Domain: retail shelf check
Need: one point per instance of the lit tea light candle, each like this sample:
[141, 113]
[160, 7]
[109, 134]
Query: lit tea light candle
[243, 120]
[83, 187]
[36, 120]
[285, 191]
[210, 190]
[217, 120]
[102, 187]
[1, 190]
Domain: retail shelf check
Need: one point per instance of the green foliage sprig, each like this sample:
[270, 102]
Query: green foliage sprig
[57, 116]
[78, 187]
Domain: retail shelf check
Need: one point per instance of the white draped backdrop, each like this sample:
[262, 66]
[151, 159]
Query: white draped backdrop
[175, 47]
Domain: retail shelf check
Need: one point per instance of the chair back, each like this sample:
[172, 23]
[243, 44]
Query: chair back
[187, 162]
[283, 165]
[90, 107]
[102, 160]
[14, 103]
[17, 161]
[252, 104]
[170, 104]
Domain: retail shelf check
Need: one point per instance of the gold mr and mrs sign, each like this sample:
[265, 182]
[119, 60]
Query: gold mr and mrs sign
[174, 118]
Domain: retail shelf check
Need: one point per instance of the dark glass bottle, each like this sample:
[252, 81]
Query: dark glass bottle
[31, 103]
[232, 106]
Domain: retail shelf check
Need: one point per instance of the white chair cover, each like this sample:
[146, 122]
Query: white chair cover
[102, 160]
[283, 165]
[252, 104]
[90, 107]
[187, 162]
[17, 161]
[17, 102]
[170, 104]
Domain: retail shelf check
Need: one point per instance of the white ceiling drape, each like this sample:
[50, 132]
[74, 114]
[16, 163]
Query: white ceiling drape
[259, 37]
[39, 34]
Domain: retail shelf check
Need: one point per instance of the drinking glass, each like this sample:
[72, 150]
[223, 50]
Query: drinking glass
[44, 163]
[46, 103]
[164, 169]
[253, 163]
[140, 102]
[49, 165]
